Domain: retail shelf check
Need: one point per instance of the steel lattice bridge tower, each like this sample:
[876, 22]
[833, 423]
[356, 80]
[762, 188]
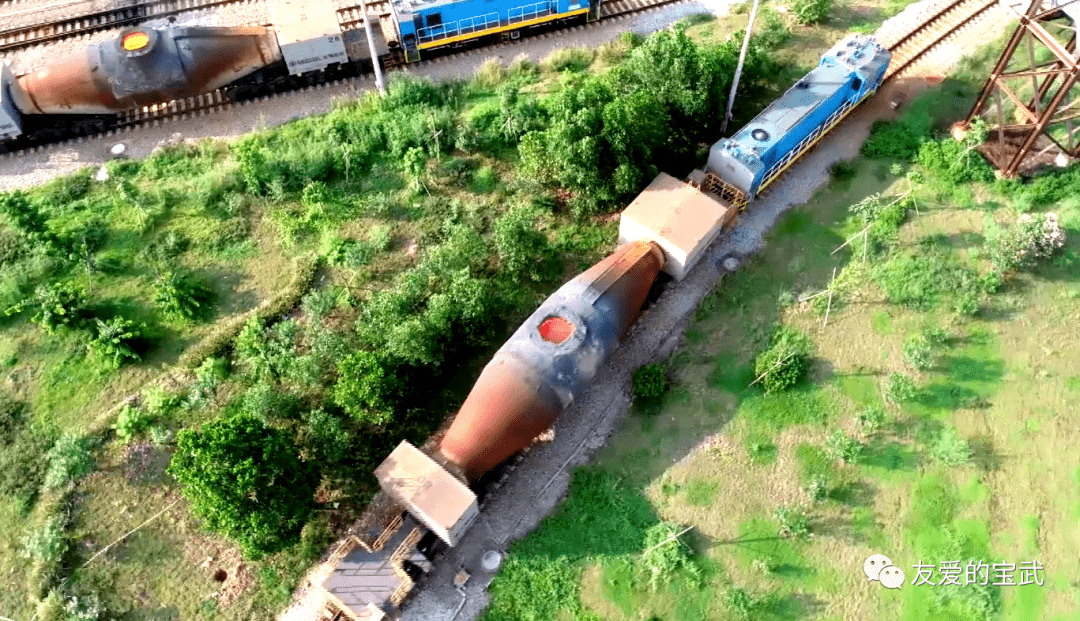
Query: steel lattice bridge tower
[1031, 101]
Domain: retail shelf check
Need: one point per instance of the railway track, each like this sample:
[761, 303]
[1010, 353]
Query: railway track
[942, 26]
[908, 44]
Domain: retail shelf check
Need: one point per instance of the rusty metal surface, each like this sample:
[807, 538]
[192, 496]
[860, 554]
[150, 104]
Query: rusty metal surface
[178, 63]
[508, 406]
[1028, 102]
[530, 380]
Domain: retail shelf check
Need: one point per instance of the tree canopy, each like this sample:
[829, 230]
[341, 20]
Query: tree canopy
[245, 480]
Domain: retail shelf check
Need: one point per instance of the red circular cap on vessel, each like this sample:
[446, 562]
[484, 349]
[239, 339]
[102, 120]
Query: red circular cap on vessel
[556, 330]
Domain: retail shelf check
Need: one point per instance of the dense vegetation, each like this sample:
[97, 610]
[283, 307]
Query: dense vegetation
[388, 237]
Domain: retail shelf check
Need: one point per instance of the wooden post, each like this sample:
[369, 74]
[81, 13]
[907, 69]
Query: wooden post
[371, 49]
[829, 307]
[738, 68]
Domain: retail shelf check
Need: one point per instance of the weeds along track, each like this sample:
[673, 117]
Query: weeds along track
[70, 26]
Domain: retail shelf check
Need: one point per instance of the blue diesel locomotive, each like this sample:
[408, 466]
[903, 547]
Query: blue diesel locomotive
[425, 24]
[745, 164]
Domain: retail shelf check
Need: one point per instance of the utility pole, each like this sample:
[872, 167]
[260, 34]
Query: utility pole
[738, 69]
[371, 48]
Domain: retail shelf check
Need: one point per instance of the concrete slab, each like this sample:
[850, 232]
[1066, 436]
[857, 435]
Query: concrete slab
[681, 219]
[431, 494]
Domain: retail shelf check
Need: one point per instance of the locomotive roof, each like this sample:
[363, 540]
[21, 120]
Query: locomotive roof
[853, 55]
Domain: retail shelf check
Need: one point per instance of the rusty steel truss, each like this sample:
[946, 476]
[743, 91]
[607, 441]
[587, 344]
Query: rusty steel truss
[1031, 102]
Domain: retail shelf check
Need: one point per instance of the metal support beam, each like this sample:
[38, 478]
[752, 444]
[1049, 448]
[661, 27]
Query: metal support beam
[1046, 107]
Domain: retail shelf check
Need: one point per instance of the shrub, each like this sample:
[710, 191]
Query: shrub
[817, 489]
[22, 463]
[954, 163]
[26, 218]
[949, 448]
[649, 381]
[786, 360]
[810, 12]
[992, 281]
[207, 378]
[323, 440]
[843, 170]
[157, 401]
[522, 249]
[793, 521]
[318, 304]
[489, 74]
[55, 305]
[69, 460]
[246, 481]
[217, 343]
[12, 415]
[740, 603]
[574, 59]
[843, 447]
[664, 553]
[901, 138]
[1030, 240]
[166, 247]
[870, 418]
[966, 303]
[266, 353]
[85, 608]
[130, 423]
[899, 388]
[774, 31]
[921, 280]
[367, 388]
[47, 544]
[918, 352]
[51, 608]
[160, 436]
[265, 403]
[181, 296]
[935, 336]
[114, 339]
[884, 214]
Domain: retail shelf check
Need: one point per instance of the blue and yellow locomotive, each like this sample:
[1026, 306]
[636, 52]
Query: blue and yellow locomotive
[424, 25]
[757, 154]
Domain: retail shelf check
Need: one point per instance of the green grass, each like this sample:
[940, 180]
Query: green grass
[801, 405]
[883, 323]
[701, 493]
[599, 520]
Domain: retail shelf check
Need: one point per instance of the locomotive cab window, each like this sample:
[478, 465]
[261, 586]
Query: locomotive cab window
[856, 84]
[435, 19]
